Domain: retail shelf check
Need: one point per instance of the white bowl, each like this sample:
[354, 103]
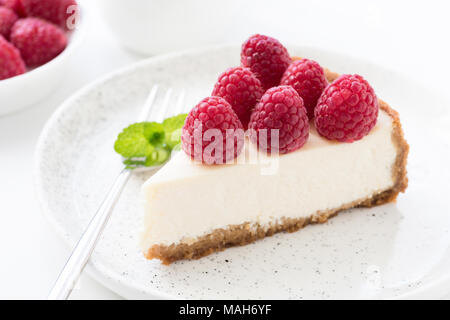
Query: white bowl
[159, 26]
[33, 86]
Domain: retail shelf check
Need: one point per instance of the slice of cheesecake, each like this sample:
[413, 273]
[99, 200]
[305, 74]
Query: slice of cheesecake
[192, 210]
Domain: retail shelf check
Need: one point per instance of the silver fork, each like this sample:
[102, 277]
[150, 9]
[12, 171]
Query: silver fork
[85, 246]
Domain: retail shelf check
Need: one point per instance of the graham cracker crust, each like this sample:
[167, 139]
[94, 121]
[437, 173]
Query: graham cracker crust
[239, 235]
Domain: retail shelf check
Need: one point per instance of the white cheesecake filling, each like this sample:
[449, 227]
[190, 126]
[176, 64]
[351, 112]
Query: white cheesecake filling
[186, 200]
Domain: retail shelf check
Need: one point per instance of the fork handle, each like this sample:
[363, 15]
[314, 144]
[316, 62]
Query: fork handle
[80, 256]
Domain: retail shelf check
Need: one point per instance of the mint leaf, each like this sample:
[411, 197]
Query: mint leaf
[158, 156]
[132, 142]
[149, 143]
[154, 132]
[132, 164]
[172, 128]
[139, 139]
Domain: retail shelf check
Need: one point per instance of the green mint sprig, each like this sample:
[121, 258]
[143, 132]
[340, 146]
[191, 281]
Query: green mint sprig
[149, 143]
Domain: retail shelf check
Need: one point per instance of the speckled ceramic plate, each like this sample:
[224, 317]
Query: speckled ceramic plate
[396, 250]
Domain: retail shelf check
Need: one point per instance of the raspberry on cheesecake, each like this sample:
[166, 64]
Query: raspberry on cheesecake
[212, 132]
[308, 79]
[240, 87]
[266, 57]
[347, 110]
[280, 110]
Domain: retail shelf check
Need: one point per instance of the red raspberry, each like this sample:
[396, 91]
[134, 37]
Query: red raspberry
[308, 79]
[37, 40]
[280, 108]
[347, 109]
[7, 20]
[267, 59]
[14, 5]
[11, 64]
[55, 11]
[199, 139]
[241, 89]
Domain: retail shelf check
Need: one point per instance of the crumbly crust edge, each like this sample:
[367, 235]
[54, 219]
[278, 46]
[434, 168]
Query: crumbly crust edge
[239, 235]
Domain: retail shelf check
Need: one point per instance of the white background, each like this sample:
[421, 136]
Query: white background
[410, 37]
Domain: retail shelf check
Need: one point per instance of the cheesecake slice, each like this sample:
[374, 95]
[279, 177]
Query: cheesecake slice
[192, 210]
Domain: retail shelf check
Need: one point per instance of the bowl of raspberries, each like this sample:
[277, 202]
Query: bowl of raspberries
[37, 38]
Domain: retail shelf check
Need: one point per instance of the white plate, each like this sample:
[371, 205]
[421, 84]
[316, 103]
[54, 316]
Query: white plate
[396, 250]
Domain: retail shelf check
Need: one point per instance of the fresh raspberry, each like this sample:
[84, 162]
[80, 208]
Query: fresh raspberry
[347, 109]
[240, 87]
[308, 79]
[11, 64]
[280, 108]
[14, 5]
[38, 41]
[212, 146]
[266, 57]
[55, 11]
[7, 20]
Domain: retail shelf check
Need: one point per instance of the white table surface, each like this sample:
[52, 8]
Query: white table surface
[407, 36]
